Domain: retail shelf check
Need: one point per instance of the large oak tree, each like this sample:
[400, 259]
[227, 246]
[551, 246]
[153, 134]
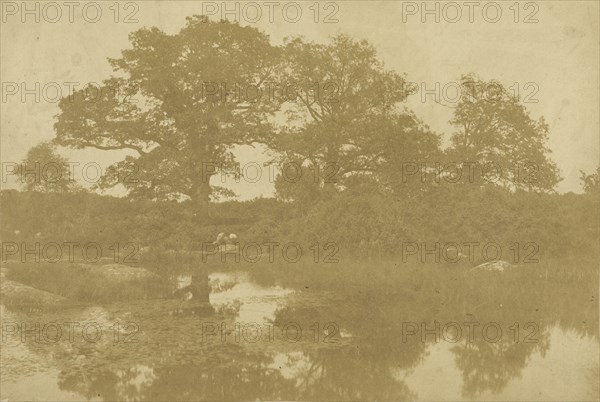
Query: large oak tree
[173, 101]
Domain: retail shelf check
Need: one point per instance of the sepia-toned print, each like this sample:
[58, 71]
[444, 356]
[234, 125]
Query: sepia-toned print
[301, 200]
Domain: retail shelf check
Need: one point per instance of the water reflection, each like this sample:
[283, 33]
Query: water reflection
[254, 303]
[347, 349]
[567, 370]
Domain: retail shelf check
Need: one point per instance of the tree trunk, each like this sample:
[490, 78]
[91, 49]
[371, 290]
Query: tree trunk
[199, 287]
[201, 199]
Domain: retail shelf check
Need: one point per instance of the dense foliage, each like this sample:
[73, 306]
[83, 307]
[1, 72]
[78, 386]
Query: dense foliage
[562, 226]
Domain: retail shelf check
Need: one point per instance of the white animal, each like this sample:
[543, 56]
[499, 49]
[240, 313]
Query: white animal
[222, 239]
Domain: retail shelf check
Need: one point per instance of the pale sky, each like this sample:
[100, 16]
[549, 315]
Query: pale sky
[555, 61]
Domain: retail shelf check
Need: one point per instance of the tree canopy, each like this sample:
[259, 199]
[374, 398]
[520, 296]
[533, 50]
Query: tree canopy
[177, 112]
[591, 182]
[174, 102]
[44, 170]
[493, 126]
[340, 124]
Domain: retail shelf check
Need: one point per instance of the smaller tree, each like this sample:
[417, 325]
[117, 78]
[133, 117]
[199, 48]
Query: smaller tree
[44, 170]
[590, 182]
[492, 126]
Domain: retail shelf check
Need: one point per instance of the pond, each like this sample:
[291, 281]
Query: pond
[255, 338]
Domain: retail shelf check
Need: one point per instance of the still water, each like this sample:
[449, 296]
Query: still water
[248, 338]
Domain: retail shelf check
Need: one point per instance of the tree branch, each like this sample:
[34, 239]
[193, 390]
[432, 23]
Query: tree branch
[114, 147]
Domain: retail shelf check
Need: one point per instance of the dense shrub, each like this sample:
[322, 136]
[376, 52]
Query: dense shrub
[564, 226]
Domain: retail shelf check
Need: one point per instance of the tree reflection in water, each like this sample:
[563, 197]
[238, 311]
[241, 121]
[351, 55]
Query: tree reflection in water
[171, 360]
